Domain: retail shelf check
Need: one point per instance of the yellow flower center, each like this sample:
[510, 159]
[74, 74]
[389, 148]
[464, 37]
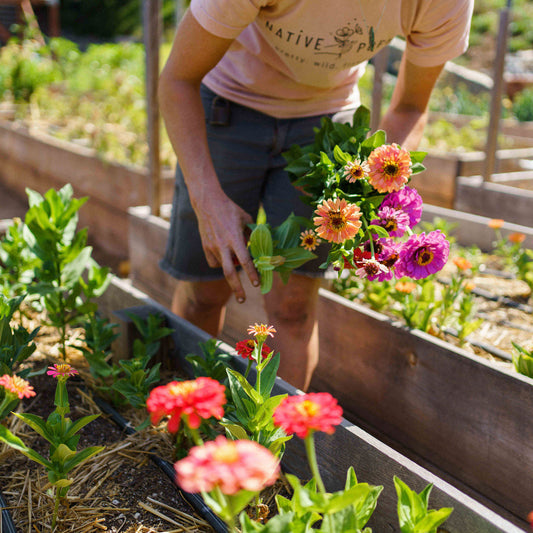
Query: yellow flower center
[63, 368]
[391, 225]
[308, 408]
[391, 168]
[183, 388]
[20, 385]
[336, 220]
[424, 257]
[227, 453]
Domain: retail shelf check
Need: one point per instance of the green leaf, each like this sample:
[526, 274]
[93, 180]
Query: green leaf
[235, 431]
[268, 376]
[82, 422]
[38, 424]
[341, 157]
[17, 444]
[432, 520]
[261, 241]
[81, 457]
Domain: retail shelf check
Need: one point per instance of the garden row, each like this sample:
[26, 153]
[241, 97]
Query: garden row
[47, 248]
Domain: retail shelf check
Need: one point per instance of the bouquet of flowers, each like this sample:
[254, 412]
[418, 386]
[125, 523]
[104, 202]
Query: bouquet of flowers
[364, 209]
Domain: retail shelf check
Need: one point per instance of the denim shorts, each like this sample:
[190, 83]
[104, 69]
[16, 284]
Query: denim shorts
[246, 148]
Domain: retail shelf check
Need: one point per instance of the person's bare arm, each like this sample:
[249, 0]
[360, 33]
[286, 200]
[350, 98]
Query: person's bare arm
[194, 52]
[407, 114]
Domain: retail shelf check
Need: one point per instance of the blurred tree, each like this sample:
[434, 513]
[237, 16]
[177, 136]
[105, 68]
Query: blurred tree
[107, 19]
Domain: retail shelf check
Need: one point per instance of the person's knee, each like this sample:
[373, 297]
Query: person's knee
[294, 303]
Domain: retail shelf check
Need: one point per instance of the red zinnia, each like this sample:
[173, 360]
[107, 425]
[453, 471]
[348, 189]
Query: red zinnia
[197, 400]
[316, 411]
[245, 349]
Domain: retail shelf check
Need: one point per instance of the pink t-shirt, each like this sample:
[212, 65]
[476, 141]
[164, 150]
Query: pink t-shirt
[295, 58]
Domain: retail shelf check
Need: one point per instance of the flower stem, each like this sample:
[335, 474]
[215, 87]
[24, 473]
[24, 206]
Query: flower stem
[248, 367]
[311, 457]
[56, 509]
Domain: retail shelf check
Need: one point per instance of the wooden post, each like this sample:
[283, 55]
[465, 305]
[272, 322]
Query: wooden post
[152, 35]
[496, 99]
[380, 67]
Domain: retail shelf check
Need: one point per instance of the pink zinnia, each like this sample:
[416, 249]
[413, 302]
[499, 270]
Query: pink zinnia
[229, 465]
[337, 220]
[246, 348]
[17, 386]
[393, 220]
[302, 415]
[407, 200]
[61, 371]
[422, 255]
[197, 400]
[389, 168]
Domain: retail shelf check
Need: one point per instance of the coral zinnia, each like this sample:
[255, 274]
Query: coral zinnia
[197, 400]
[389, 168]
[406, 287]
[354, 170]
[407, 200]
[309, 240]
[61, 371]
[261, 331]
[316, 411]
[423, 255]
[337, 220]
[246, 348]
[496, 223]
[229, 465]
[462, 263]
[17, 386]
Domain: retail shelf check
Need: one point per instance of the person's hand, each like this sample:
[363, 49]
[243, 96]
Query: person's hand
[222, 225]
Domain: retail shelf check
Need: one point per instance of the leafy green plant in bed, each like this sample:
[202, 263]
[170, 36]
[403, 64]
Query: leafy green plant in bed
[17, 262]
[64, 258]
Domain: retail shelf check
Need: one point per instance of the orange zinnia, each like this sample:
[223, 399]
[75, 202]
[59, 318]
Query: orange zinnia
[496, 223]
[517, 238]
[309, 240]
[337, 220]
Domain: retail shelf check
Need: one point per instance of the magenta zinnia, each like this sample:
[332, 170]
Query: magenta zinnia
[61, 371]
[196, 400]
[389, 168]
[302, 415]
[17, 386]
[228, 465]
[407, 200]
[393, 220]
[422, 255]
[337, 220]
[246, 348]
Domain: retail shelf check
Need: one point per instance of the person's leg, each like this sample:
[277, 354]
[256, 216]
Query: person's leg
[203, 303]
[291, 309]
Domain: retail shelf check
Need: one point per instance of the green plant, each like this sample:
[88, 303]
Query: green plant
[413, 512]
[16, 344]
[62, 435]
[253, 406]
[136, 378]
[50, 231]
[523, 105]
[523, 360]
[16, 260]
[212, 364]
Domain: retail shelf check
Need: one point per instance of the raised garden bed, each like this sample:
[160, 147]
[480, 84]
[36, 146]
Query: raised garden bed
[43, 162]
[399, 384]
[373, 461]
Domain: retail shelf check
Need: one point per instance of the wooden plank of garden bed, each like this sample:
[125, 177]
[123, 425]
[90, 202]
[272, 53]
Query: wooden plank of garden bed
[373, 461]
[454, 409]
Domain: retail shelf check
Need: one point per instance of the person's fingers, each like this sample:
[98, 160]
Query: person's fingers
[232, 277]
[243, 258]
